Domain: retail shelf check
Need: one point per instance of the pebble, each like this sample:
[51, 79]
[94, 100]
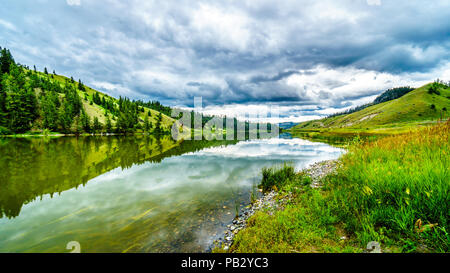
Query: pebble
[271, 202]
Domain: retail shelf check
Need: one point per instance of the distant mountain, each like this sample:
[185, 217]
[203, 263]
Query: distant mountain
[287, 125]
[429, 102]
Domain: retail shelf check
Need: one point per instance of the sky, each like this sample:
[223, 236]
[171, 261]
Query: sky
[307, 58]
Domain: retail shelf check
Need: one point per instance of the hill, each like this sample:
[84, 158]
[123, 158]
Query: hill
[34, 102]
[423, 105]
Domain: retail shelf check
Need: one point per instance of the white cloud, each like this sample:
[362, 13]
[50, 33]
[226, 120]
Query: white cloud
[238, 52]
[73, 2]
[7, 25]
[326, 86]
[374, 2]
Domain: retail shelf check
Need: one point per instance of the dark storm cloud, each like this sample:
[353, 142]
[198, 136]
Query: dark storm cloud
[233, 52]
[279, 76]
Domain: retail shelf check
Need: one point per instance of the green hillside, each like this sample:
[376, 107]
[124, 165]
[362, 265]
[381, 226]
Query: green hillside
[33, 102]
[95, 110]
[423, 105]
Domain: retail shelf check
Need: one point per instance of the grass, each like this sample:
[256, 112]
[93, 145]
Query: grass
[98, 111]
[386, 188]
[396, 116]
[394, 190]
[272, 178]
[303, 226]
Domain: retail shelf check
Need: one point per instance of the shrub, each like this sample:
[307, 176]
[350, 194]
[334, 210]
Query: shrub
[277, 177]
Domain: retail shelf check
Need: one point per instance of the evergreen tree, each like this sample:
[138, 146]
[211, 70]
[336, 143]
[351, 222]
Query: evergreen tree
[20, 106]
[108, 125]
[97, 125]
[6, 60]
[147, 124]
[81, 86]
[86, 122]
[18, 101]
[158, 127]
[3, 117]
[49, 112]
[65, 119]
[78, 127]
[45, 71]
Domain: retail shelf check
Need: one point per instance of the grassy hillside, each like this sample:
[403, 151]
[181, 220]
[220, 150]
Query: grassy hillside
[33, 102]
[417, 107]
[94, 110]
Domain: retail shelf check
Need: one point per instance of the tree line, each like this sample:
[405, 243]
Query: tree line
[33, 101]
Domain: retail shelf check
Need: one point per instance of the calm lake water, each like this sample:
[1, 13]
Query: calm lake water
[132, 194]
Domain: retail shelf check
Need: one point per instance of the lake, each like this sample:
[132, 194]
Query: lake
[133, 194]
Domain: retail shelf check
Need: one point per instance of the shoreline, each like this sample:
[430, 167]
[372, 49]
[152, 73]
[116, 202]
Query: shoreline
[270, 202]
[75, 135]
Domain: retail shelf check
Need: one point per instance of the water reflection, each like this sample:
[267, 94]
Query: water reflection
[33, 167]
[140, 196]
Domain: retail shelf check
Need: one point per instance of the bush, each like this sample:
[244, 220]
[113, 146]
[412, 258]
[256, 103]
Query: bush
[433, 89]
[276, 177]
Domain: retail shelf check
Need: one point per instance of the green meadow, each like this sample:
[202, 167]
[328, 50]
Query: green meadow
[393, 190]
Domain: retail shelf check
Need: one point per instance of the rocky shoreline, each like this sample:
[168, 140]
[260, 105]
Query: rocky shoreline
[271, 202]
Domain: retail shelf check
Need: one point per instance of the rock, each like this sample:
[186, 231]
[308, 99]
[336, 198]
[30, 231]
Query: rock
[272, 201]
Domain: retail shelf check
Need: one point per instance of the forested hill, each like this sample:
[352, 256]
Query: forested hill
[35, 102]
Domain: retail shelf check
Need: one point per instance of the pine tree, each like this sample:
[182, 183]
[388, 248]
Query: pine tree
[78, 127]
[19, 101]
[158, 128]
[97, 125]
[49, 112]
[45, 71]
[6, 60]
[86, 122]
[81, 85]
[147, 124]
[108, 125]
[3, 113]
[65, 119]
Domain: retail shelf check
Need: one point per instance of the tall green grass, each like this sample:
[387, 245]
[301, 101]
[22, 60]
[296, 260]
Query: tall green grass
[274, 178]
[394, 190]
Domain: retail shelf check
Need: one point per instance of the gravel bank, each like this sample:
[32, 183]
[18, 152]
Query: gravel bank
[271, 202]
